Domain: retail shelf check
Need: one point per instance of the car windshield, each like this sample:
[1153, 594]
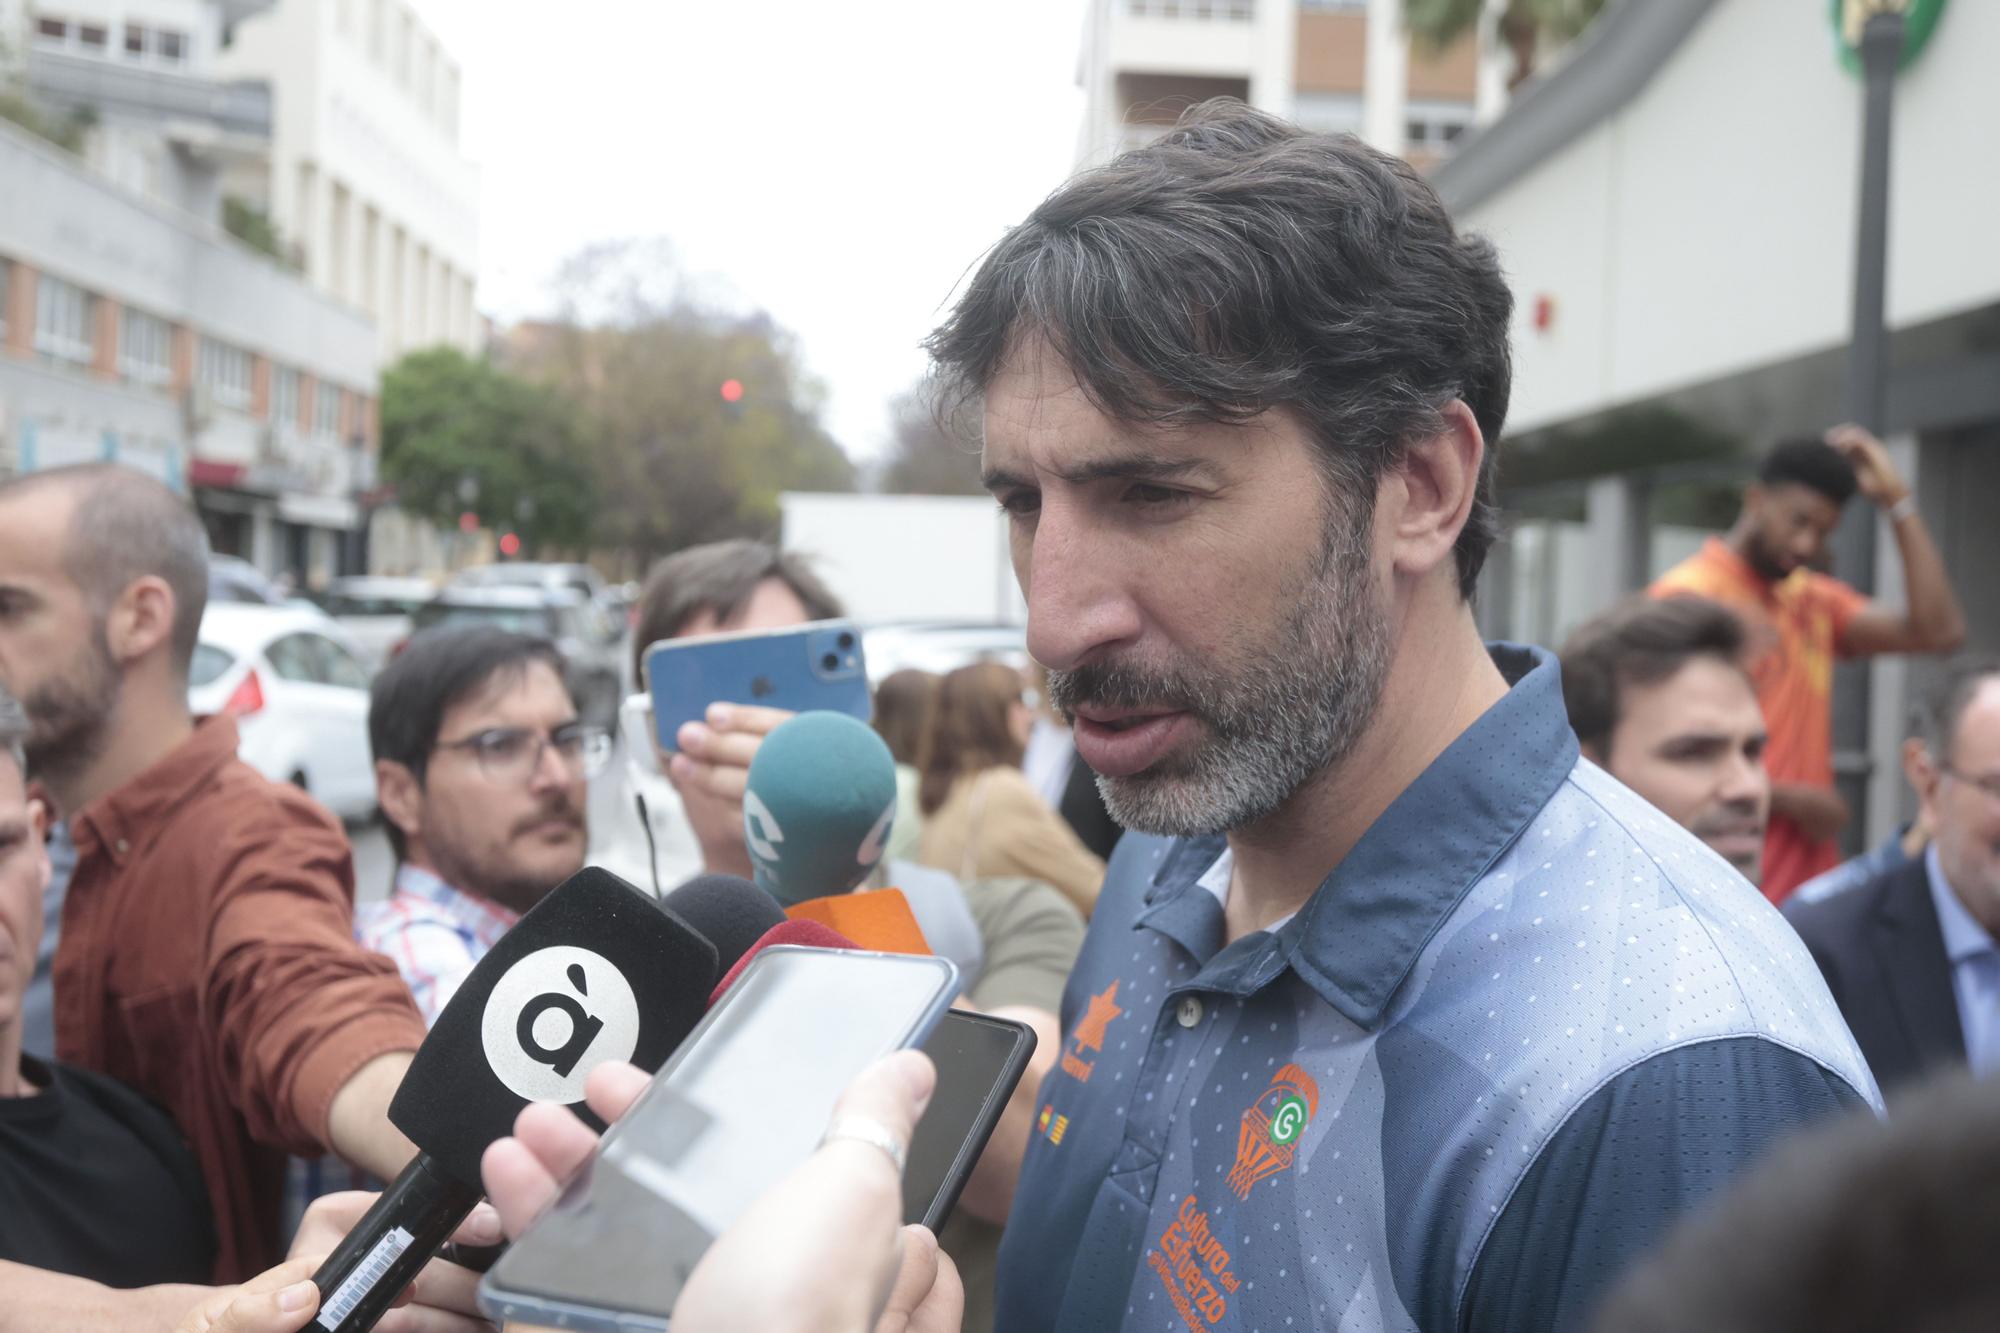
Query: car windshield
[520, 619]
[208, 665]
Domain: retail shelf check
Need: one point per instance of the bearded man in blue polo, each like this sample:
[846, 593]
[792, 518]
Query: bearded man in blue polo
[1404, 1016]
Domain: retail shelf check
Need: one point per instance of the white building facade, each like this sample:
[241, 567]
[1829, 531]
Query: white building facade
[1330, 65]
[1676, 210]
[364, 175]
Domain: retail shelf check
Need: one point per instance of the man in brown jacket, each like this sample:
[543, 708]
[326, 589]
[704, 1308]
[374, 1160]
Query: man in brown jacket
[206, 956]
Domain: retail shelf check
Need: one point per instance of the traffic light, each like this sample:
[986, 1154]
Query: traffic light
[510, 545]
[732, 391]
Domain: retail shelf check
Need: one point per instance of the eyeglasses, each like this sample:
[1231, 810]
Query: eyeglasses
[513, 754]
[1990, 784]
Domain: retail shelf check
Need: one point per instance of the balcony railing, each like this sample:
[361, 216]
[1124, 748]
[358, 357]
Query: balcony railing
[1227, 11]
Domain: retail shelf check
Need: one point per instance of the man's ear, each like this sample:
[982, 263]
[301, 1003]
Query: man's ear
[1435, 484]
[140, 620]
[400, 795]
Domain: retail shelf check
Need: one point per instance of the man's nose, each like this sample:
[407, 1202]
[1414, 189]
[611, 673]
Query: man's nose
[1078, 588]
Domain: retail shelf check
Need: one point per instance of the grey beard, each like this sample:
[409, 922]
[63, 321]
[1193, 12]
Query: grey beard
[1272, 726]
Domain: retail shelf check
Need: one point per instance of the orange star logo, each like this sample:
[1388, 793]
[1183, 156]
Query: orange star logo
[1103, 1008]
[1089, 1034]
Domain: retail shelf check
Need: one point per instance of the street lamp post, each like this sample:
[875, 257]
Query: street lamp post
[1880, 50]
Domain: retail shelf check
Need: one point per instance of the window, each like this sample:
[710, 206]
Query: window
[63, 317]
[93, 37]
[1328, 113]
[1434, 125]
[285, 398]
[145, 349]
[208, 665]
[52, 31]
[326, 410]
[341, 667]
[296, 657]
[225, 372]
[159, 45]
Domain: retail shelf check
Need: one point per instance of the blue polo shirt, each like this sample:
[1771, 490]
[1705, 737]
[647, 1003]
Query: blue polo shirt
[1519, 1029]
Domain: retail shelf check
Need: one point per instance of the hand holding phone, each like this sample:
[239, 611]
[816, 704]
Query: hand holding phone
[796, 669]
[822, 1238]
[743, 1101]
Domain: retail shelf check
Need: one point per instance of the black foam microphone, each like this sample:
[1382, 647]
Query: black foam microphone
[731, 912]
[594, 972]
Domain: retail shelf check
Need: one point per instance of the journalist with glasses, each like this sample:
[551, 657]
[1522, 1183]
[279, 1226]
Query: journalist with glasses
[481, 770]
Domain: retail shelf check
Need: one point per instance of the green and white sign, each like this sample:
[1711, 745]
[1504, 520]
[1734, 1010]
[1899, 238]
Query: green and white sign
[1920, 19]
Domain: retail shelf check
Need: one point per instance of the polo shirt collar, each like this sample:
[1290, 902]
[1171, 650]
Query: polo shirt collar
[1360, 934]
[121, 822]
[1964, 937]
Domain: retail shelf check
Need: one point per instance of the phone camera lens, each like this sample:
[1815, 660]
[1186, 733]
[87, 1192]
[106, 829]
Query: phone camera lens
[846, 641]
[830, 662]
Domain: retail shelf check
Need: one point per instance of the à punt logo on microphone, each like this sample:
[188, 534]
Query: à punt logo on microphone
[555, 1016]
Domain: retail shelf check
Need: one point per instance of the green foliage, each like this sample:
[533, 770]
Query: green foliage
[676, 465]
[253, 226]
[1524, 25]
[454, 427]
[66, 131]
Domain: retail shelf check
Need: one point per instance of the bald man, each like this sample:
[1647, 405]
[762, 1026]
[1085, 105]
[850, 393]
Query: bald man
[207, 954]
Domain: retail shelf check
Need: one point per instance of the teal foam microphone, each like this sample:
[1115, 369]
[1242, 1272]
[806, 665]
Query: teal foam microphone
[819, 803]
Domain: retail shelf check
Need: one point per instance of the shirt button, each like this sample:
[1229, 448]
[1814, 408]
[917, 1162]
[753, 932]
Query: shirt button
[1190, 1013]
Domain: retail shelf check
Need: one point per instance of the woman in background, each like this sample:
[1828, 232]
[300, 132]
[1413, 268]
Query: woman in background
[905, 715]
[981, 816]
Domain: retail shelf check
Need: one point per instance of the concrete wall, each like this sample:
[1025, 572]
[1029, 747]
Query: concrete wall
[1709, 225]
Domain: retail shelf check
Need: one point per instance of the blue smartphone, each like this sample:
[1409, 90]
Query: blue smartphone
[799, 668]
[743, 1102]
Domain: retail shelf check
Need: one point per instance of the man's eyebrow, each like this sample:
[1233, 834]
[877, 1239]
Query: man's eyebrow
[1131, 467]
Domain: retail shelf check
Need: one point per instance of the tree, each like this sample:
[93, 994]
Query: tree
[459, 434]
[1522, 24]
[925, 457]
[676, 463]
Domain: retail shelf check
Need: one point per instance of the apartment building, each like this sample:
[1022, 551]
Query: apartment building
[132, 332]
[1330, 65]
[363, 175]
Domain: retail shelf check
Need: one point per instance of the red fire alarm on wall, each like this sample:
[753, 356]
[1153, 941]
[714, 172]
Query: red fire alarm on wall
[1545, 312]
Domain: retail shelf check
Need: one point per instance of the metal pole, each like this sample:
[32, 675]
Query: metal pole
[1867, 377]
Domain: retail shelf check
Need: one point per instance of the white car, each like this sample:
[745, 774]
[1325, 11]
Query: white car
[375, 612]
[299, 694]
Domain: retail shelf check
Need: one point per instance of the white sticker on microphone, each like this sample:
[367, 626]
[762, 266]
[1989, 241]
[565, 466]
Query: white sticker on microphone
[870, 850]
[555, 1016]
[364, 1277]
[760, 830]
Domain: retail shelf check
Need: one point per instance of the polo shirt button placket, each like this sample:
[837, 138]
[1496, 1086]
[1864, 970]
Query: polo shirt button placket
[1190, 1011]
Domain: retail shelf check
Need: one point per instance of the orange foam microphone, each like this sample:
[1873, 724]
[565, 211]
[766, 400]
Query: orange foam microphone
[878, 919]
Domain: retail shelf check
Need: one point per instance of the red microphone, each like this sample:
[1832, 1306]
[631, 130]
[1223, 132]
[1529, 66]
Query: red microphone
[810, 934]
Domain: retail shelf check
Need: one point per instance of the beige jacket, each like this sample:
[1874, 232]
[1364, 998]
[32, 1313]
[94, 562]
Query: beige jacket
[995, 823]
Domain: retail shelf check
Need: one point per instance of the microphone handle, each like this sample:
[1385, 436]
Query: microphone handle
[386, 1249]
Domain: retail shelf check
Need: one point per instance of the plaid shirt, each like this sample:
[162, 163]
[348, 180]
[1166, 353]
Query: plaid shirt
[434, 933]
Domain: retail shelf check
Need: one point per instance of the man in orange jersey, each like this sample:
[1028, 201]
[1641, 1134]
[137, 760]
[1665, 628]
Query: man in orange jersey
[1764, 567]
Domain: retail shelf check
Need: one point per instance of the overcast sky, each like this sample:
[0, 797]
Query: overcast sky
[838, 165]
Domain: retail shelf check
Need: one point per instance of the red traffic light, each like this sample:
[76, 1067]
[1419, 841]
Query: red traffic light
[732, 391]
[510, 545]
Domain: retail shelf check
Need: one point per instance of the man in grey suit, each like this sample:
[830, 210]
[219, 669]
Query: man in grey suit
[1910, 955]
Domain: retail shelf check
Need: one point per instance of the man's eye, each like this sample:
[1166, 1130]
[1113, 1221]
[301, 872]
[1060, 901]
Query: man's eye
[503, 744]
[1154, 497]
[1020, 503]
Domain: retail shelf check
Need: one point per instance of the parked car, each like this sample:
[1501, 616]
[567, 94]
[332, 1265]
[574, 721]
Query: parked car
[299, 695]
[231, 578]
[587, 638]
[579, 578]
[376, 612]
[940, 646]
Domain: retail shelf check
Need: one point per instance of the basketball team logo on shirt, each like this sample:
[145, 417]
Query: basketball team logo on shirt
[1267, 1138]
